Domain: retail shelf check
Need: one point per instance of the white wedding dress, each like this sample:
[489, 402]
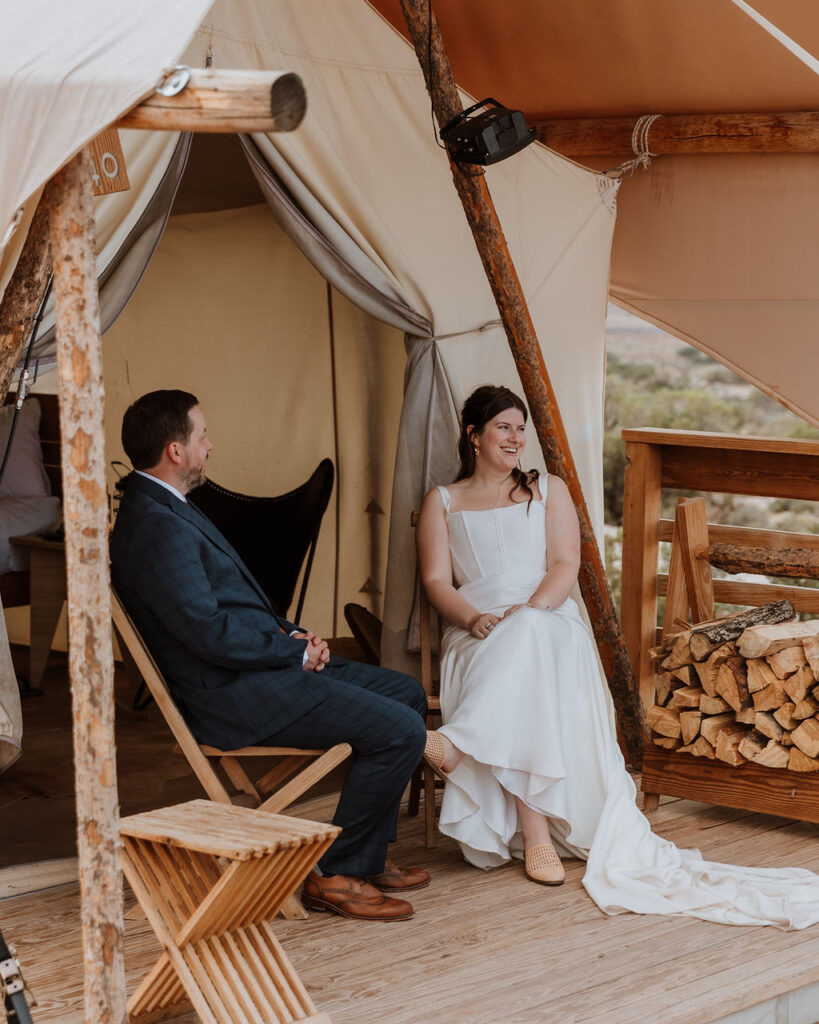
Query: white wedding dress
[529, 709]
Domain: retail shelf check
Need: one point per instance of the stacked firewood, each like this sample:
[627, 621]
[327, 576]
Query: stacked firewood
[740, 689]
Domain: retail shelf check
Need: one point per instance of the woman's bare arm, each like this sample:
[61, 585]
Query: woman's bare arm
[562, 547]
[435, 563]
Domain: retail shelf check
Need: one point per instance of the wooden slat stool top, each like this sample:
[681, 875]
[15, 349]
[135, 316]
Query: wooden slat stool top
[224, 830]
[210, 877]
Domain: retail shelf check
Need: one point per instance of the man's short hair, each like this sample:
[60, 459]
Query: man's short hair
[152, 422]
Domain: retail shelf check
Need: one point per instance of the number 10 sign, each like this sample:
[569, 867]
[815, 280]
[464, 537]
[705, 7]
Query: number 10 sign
[108, 171]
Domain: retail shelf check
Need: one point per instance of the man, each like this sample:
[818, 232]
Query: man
[243, 675]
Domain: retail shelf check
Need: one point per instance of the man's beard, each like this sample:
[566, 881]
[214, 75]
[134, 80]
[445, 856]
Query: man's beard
[193, 478]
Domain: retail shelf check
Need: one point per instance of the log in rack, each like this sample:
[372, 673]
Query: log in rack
[718, 463]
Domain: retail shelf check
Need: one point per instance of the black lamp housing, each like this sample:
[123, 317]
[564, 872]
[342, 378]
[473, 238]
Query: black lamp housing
[486, 137]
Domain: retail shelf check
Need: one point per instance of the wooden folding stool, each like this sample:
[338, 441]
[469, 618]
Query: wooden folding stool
[209, 878]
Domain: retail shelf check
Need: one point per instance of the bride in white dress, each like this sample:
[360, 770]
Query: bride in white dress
[528, 745]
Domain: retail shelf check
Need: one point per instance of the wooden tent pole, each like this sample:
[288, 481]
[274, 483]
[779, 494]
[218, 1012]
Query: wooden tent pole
[791, 132]
[24, 292]
[91, 661]
[470, 183]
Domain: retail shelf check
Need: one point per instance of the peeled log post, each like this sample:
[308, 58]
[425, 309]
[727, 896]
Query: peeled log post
[795, 563]
[225, 101]
[793, 132]
[24, 293]
[91, 662]
[506, 288]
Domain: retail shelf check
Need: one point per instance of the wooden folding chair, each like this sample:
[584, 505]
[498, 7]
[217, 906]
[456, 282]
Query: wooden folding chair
[425, 777]
[274, 790]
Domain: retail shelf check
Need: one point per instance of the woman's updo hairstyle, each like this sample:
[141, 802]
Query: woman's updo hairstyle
[483, 405]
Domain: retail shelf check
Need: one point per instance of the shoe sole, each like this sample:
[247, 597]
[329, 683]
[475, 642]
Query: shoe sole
[541, 881]
[404, 888]
[314, 903]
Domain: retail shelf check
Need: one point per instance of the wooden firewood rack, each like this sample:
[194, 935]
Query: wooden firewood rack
[727, 464]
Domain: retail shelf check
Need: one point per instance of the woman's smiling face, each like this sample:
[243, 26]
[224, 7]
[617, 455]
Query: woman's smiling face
[502, 439]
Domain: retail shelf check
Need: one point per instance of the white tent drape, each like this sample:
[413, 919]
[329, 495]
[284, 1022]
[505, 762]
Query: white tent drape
[67, 71]
[364, 170]
[383, 182]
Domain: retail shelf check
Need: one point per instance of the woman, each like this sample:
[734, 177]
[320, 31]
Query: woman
[528, 745]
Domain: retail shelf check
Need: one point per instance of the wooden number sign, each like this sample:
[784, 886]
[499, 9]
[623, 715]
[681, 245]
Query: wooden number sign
[108, 171]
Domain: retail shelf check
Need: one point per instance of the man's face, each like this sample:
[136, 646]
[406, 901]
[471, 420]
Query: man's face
[194, 453]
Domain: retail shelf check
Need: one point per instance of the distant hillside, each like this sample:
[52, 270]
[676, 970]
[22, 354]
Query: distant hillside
[656, 380]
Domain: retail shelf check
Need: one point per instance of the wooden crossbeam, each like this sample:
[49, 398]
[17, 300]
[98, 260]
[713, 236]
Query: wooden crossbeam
[224, 101]
[791, 132]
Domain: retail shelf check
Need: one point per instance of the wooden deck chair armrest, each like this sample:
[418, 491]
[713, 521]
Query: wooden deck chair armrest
[209, 751]
[289, 793]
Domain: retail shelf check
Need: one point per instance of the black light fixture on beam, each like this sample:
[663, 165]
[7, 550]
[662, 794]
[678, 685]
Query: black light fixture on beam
[486, 137]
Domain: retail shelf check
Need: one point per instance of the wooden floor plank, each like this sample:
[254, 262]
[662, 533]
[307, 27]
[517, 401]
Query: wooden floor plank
[490, 946]
[483, 948]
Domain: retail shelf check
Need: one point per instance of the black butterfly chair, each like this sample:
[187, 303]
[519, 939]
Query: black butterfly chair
[273, 536]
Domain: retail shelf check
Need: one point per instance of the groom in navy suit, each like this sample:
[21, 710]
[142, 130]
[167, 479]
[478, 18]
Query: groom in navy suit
[243, 675]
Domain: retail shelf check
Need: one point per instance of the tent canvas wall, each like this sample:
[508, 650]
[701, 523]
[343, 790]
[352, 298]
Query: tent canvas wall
[376, 190]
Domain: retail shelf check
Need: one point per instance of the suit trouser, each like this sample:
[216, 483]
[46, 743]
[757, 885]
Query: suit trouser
[380, 714]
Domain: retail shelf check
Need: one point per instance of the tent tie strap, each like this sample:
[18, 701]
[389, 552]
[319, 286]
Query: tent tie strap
[488, 326]
[639, 146]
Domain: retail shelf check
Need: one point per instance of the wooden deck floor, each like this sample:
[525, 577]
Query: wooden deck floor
[493, 947]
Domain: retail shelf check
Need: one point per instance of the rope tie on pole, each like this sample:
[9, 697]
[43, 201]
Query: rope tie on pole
[639, 146]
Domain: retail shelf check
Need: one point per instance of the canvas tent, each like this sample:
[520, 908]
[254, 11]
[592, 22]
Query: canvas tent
[370, 199]
[715, 249]
[367, 196]
[363, 189]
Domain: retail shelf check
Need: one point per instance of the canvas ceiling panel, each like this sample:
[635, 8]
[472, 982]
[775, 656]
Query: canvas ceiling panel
[365, 147]
[722, 252]
[68, 70]
[613, 57]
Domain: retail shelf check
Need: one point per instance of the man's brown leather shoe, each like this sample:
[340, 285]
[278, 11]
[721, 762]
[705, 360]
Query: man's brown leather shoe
[395, 879]
[352, 897]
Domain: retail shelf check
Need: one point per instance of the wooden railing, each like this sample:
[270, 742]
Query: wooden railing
[705, 462]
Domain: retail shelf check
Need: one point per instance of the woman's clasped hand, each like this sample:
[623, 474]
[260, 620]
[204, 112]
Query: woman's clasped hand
[482, 625]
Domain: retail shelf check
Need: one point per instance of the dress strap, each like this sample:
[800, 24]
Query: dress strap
[444, 497]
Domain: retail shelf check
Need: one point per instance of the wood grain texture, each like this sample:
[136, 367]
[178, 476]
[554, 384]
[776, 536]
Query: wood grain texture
[208, 877]
[692, 532]
[25, 290]
[704, 441]
[768, 474]
[90, 650]
[554, 955]
[638, 604]
[749, 536]
[803, 599]
[218, 100]
[783, 132]
[749, 786]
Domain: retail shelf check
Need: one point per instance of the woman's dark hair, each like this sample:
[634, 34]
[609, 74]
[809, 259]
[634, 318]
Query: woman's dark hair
[483, 405]
[152, 422]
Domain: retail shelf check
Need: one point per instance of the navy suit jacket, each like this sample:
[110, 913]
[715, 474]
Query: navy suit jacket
[235, 676]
